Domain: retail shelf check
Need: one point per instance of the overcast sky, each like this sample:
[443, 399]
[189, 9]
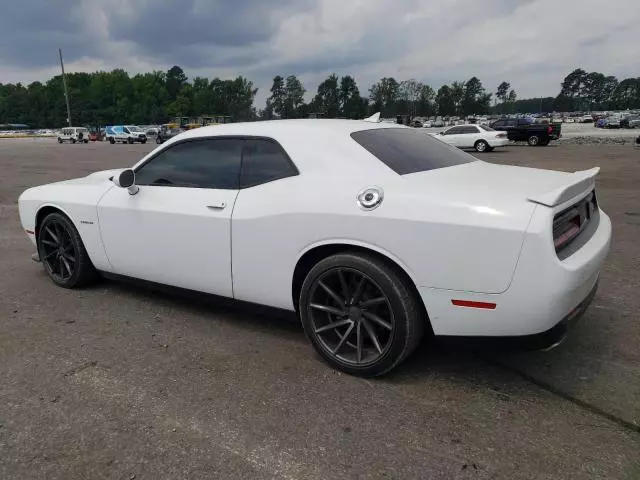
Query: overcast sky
[531, 43]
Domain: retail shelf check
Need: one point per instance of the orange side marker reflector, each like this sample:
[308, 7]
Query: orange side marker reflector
[30, 232]
[471, 304]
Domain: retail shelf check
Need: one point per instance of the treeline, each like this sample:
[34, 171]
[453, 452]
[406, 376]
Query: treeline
[103, 98]
[583, 91]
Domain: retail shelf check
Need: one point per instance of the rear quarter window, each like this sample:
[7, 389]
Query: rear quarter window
[407, 150]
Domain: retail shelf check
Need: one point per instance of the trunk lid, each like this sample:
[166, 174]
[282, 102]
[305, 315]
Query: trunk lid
[500, 186]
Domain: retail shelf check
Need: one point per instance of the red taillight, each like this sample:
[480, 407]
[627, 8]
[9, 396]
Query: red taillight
[549, 130]
[501, 135]
[472, 304]
[566, 237]
[566, 228]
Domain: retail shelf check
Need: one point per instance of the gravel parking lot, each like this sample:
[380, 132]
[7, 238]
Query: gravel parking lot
[119, 381]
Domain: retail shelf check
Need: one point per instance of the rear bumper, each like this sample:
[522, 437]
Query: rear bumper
[543, 292]
[499, 142]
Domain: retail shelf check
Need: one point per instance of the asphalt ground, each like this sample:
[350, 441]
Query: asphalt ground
[121, 381]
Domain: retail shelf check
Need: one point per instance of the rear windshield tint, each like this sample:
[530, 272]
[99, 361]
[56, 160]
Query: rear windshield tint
[408, 150]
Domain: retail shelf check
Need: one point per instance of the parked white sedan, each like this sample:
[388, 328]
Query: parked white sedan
[480, 137]
[372, 233]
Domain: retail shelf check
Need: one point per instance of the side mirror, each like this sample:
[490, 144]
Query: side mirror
[127, 179]
[441, 133]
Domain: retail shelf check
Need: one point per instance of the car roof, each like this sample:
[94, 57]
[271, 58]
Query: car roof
[276, 128]
[320, 146]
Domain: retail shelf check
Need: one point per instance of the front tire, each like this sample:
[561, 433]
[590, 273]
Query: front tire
[62, 253]
[533, 140]
[158, 140]
[59, 140]
[129, 140]
[112, 140]
[481, 146]
[360, 314]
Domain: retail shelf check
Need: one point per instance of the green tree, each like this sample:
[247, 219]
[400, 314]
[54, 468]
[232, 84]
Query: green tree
[573, 86]
[457, 95]
[275, 102]
[327, 99]
[352, 105]
[475, 99]
[502, 91]
[627, 94]
[383, 96]
[293, 104]
[445, 101]
[409, 94]
[176, 79]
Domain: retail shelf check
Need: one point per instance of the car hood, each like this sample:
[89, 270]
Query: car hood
[94, 178]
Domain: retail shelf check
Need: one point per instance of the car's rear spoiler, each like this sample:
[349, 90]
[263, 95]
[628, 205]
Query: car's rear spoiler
[578, 183]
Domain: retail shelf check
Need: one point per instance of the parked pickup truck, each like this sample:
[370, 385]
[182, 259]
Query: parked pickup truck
[525, 130]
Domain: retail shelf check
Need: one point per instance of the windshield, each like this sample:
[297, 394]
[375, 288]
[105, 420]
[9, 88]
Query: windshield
[134, 129]
[406, 150]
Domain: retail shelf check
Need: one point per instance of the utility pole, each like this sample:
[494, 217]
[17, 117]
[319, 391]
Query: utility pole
[66, 92]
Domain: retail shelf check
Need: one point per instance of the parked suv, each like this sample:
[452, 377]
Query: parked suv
[73, 135]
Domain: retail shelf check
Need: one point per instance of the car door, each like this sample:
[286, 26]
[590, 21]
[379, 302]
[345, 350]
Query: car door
[451, 136]
[467, 136]
[176, 230]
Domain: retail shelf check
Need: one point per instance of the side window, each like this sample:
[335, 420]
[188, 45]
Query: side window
[453, 131]
[468, 129]
[264, 161]
[126, 130]
[209, 163]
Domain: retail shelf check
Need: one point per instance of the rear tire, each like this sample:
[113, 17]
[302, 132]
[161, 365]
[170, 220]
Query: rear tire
[533, 140]
[112, 140]
[378, 319]
[73, 140]
[59, 140]
[158, 140]
[481, 146]
[143, 141]
[129, 140]
[62, 253]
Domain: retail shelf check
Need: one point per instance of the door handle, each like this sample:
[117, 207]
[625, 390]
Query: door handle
[217, 205]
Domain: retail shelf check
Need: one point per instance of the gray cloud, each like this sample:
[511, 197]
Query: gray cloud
[531, 43]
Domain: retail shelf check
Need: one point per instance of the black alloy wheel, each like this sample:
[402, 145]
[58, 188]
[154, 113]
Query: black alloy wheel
[533, 140]
[360, 314]
[62, 253]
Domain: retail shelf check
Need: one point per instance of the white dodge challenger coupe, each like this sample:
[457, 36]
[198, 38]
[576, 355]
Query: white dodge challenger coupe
[373, 233]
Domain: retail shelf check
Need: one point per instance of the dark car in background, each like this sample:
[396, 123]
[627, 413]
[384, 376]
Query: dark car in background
[527, 130]
[630, 121]
[166, 133]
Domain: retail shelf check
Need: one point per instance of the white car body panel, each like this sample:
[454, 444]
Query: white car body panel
[475, 231]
